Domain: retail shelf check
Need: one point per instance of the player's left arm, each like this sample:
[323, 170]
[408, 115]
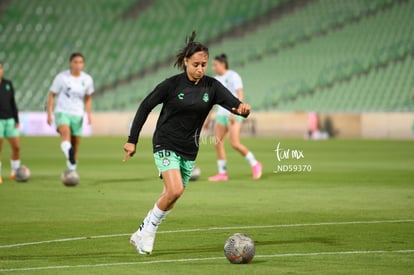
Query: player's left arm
[225, 98]
[88, 100]
[14, 107]
[206, 123]
[88, 107]
[238, 84]
[240, 94]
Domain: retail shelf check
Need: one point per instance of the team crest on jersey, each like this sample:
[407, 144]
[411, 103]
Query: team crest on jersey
[205, 97]
[180, 96]
[7, 87]
[83, 83]
[165, 162]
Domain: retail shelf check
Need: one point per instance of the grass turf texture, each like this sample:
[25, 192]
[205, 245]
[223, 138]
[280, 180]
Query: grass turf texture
[350, 181]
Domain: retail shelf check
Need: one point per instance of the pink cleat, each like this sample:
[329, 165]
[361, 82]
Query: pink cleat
[219, 177]
[257, 171]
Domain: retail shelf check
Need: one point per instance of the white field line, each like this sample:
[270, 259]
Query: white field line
[209, 229]
[310, 254]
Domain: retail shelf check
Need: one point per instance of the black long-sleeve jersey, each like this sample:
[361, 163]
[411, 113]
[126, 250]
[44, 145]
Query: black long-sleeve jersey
[185, 107]
[8, 107]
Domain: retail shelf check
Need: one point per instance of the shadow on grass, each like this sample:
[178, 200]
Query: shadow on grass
[298, 241]
[119, 180]
[216, 248]
[195, 252]
[187, 251]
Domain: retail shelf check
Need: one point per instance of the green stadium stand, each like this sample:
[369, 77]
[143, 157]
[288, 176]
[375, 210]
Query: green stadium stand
[328, 55]
[356, 48]
[344, 41]
[382, 89]
[38, 36]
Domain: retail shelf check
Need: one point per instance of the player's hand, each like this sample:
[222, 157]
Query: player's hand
[243, 109]
[16, 125]
[49, 120]
[129, 149]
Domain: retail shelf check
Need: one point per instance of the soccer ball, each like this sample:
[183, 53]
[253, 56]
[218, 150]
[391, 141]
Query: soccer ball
[22, 174]
[239, 249]
[70, 178]
[195, 175]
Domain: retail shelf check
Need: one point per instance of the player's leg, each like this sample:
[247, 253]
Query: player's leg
[63, 127]
[15, 155]
[168, 163]
[220, 131]
[173, 189]
[76, 134]
[12, 135]
[66, 146]
[1, 147]
[75, 142]
[234, 131]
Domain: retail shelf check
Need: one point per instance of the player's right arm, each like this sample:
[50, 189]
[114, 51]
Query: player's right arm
[206, 123]
[54, 89]
[157, 96]
[50, 103]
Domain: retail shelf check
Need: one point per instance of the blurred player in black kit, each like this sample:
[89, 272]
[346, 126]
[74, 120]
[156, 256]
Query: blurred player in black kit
[9, 122]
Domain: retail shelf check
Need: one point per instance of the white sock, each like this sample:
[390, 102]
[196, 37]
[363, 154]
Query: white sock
[0, 168]
[222, 166]
[156, 216]
[251, 159]
[15, 164]
[71, 166]
[65, 146]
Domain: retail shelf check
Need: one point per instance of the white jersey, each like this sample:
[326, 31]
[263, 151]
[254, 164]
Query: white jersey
[71, 92]
[233, 82]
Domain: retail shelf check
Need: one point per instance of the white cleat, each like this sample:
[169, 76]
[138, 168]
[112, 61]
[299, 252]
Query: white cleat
[143, 241]
[135, 240]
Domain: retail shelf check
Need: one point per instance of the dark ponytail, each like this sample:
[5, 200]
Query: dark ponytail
[190, 48]
[223, 59]
[73, 55]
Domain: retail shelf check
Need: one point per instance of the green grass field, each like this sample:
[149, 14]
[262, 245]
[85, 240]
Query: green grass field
[352, 214]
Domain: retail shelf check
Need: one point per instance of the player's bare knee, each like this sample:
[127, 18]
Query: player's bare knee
[235, 144]
[219, 145]
[175, 193]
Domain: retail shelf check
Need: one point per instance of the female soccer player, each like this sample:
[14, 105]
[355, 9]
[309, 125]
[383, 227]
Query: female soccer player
[227, 122]
[9, 122]
[187, 99]
[74, 89]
